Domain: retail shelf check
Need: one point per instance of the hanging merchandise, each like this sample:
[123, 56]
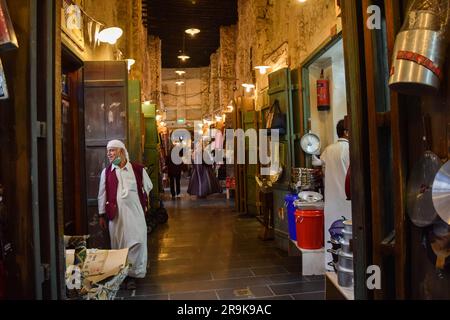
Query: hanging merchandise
[420, 47]
[419, 189]
[8, 39]
[276, 119]
[323, 93]
[441, 193]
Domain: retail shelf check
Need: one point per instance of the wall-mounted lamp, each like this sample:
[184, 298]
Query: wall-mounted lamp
[262, 69]
[179, 83]
[248, 87]
[110, 35]
[230, 107]
[130, 63]
[180, 72]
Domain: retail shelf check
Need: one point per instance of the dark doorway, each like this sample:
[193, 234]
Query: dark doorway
[72, 136]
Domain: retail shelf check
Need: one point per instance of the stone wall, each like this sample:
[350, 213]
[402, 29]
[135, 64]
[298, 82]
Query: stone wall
[135, 42]
[214, 96]
[227, 64]
[268, 29]
[152, 72]
[189, 101]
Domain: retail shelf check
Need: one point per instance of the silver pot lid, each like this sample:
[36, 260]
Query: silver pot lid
[441, 193]
[419, 190]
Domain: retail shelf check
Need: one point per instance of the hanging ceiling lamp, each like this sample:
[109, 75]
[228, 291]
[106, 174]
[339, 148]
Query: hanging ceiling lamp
[262, 69]
[110, 35]
[179, 83]
[180, 72]
[192, 31]
[182, 56]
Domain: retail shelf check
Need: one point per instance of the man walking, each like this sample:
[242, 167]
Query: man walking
[122, 202]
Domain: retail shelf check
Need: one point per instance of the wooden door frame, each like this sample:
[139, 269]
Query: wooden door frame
[354, 57]
[305, 100]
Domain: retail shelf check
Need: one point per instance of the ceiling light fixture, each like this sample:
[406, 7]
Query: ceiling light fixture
[183, 57]
[180, 72]
[179, 83]
[262, 69]
[248, 87]
[110, 35]
[192, 31]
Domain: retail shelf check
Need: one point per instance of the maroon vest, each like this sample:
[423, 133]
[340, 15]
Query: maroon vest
[112, 183]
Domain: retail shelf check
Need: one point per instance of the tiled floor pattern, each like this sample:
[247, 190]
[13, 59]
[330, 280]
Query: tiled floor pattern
[209, 252]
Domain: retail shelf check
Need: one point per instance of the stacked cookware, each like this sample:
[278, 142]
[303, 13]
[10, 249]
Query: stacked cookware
[344, 256]
[305, 179]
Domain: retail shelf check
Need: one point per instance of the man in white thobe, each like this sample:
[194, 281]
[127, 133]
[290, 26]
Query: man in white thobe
[128, 228]
[336, 161]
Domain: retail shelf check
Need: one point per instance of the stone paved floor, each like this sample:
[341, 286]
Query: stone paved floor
[209, 252]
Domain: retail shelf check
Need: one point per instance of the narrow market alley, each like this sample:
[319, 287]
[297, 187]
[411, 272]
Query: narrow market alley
[208, 252]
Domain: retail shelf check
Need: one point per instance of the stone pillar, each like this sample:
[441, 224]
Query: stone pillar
[214, 82]
[227, 64]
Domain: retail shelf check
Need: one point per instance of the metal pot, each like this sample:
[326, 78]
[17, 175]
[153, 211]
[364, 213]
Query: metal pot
[335, 254]
[348, 226]
[417, 62]
[345, 260]
[346, 246]
[345, 277]
[347, 236]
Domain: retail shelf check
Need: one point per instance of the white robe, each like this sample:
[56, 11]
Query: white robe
[128, 229]
[336, 160]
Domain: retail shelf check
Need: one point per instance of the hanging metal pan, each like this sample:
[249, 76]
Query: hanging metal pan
[419, 190]
[441, 188]
[441, 193]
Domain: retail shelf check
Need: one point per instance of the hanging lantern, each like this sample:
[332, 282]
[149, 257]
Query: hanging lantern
[420, 47]
[323, 93]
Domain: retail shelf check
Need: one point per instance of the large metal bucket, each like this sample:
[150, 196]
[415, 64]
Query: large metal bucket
[417, 62]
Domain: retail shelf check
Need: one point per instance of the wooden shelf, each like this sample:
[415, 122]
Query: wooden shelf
[347, 293]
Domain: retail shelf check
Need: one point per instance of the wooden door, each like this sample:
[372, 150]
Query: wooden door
[152, 147]
[249, 123]
[134, 121]
[280, 89]
[106, 105]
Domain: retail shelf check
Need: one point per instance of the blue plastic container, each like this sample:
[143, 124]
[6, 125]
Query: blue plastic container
[289, 202]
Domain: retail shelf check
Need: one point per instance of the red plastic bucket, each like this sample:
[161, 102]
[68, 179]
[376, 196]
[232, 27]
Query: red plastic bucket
[309, 225]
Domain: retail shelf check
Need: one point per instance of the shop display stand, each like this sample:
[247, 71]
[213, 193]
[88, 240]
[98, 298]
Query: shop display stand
[312, 260]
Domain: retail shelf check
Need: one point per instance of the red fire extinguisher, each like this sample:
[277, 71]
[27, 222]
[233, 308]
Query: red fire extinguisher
[323, 93]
